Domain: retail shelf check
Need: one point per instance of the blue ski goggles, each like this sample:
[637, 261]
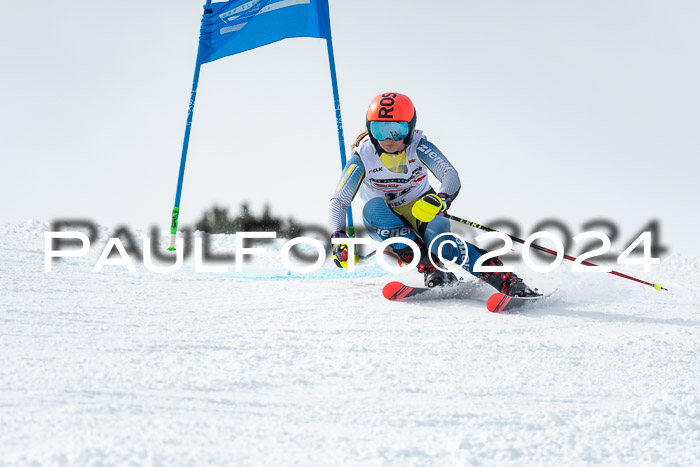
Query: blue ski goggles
[395, 131]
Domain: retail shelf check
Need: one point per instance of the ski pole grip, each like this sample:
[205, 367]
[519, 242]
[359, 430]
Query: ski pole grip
[171, 242]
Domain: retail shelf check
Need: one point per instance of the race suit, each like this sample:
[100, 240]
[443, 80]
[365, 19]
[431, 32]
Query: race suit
[390, 184]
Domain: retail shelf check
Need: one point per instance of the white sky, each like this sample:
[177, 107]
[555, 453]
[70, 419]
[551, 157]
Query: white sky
[573, 110]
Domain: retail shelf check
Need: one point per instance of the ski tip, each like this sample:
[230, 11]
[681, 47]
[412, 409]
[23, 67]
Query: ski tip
[390, 291]
[497, 302]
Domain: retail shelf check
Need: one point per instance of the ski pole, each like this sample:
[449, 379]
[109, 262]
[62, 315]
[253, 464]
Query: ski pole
[369, 255]
[547, 250]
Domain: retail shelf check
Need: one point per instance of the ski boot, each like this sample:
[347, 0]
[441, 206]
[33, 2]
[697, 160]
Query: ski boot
[432, 276]
[506, 282]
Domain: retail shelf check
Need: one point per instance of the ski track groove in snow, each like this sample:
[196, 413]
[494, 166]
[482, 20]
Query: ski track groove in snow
[261, 368]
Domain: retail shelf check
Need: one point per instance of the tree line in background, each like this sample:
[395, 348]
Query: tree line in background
[216, 220]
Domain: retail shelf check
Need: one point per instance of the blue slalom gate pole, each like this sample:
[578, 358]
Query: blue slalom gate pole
[185, 144]
[339, 121]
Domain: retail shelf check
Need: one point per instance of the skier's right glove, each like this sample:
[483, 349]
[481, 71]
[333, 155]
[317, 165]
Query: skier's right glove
[340, 251]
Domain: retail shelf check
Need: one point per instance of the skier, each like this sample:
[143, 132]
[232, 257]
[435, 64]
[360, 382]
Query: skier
[389, 166]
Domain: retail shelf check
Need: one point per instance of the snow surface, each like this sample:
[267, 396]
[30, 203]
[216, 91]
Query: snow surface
[269, 368]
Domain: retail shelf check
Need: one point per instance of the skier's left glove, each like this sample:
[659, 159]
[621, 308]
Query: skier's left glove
[429, 206]
[340, 251]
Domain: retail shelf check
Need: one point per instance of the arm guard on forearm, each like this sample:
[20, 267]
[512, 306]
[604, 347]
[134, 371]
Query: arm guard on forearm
[353, 174]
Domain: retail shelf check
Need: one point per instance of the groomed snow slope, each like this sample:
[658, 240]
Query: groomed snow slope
[265, 368]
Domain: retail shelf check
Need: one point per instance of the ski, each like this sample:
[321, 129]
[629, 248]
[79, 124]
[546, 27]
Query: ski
[499, 302]
[398, 291]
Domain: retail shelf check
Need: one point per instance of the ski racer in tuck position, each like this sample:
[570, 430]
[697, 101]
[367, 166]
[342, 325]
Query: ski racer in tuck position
[389, 166]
